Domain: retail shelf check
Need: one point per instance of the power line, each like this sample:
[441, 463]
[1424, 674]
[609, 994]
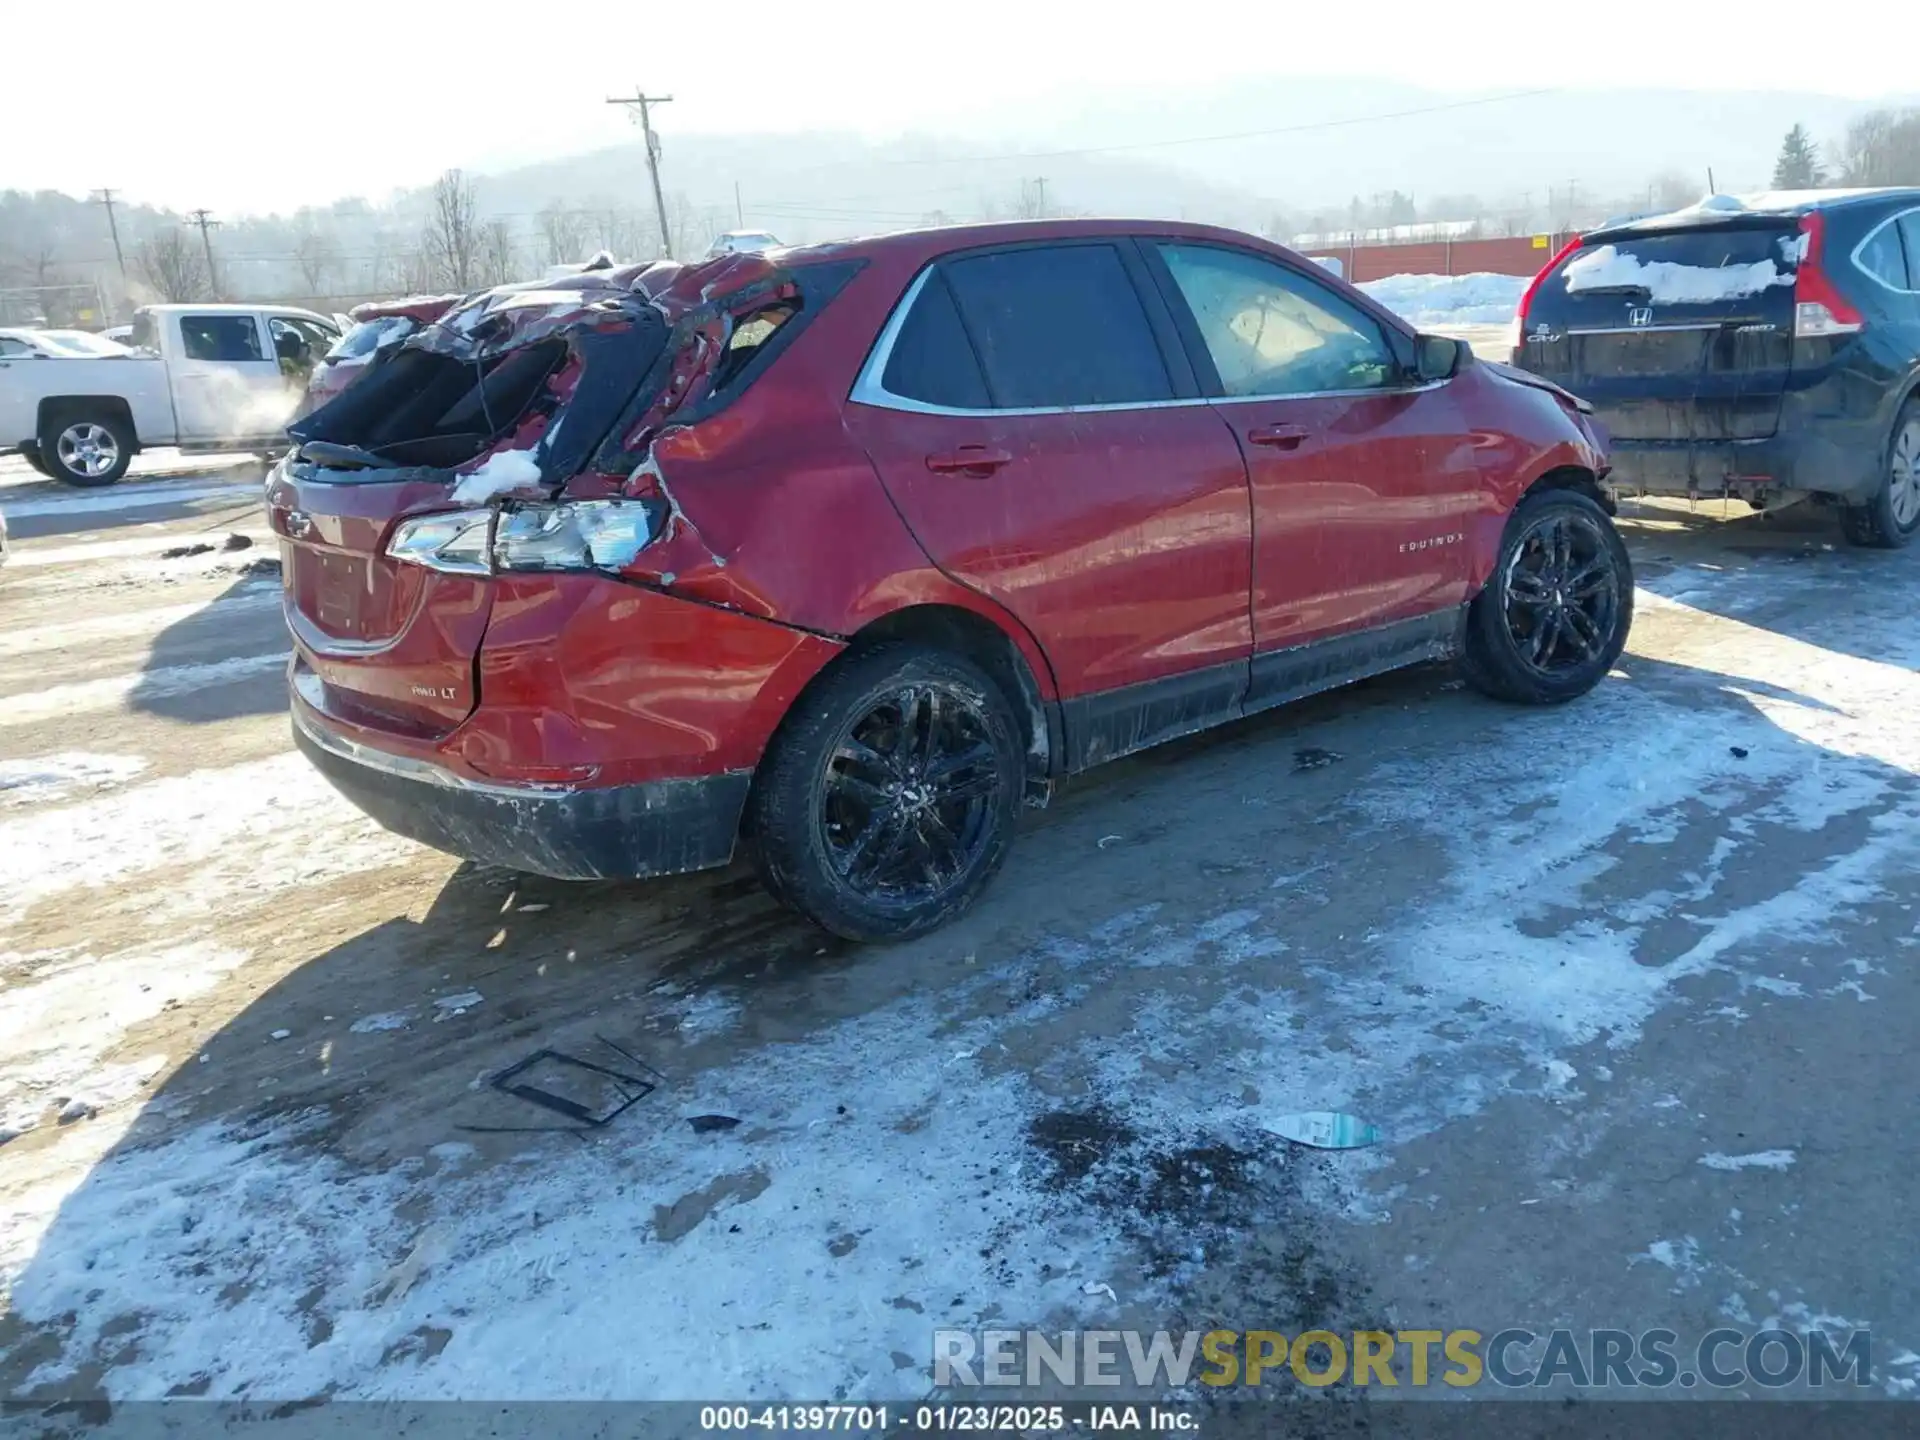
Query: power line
[1192, 139]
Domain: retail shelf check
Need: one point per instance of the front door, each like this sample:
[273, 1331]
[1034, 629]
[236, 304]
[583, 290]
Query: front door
[1025, 415]
[1363, 477]
[227, 384]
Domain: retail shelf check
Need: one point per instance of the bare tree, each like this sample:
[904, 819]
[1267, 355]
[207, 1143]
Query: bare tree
[563, 234]
[497, 253]
[451, 239]
[1031, 203]
[1671, 190]
[316, 255]
[172, 264]
[1881, 147]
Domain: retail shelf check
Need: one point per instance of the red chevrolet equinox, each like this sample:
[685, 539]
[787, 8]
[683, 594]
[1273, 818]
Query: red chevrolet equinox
[838, 554]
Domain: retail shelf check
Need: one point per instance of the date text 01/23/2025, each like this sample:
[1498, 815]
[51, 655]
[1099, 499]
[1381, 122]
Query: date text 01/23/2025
[944, 1419]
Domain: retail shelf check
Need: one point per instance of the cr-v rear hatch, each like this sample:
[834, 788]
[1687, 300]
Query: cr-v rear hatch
[468, 408]
[1679, 329]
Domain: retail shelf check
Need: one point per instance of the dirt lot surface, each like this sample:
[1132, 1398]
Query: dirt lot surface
[1625, 987]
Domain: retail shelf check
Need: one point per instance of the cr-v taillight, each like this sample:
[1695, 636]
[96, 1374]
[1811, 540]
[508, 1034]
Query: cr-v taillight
[1519, 336]
[1819, 308]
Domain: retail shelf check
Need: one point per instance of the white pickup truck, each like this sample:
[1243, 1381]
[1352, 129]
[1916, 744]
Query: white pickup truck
[202, 377]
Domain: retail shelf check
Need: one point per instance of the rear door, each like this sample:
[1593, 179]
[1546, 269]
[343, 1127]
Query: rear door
[1033, 418]
[1363, 477]
[1674, 335]
[227, 384]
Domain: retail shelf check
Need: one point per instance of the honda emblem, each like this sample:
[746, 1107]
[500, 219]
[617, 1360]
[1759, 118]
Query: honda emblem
[1643, 316]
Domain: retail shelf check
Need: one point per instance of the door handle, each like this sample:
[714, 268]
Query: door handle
[977, 460]
[1280, 437]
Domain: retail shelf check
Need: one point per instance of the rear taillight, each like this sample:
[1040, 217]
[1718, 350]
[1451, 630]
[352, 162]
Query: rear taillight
[1519, 335]
[1818, 307]
[602, 535]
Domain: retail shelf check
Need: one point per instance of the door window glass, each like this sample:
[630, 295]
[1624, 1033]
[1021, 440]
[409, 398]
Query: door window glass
[228, 338]
[1058, 326]
[1272, 331]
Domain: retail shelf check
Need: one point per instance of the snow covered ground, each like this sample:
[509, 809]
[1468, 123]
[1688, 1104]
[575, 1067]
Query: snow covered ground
[1627, 987]
[1434, 302]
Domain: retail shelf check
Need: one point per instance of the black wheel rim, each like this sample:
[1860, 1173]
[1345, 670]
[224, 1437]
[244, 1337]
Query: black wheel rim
[910, 795]
[1562, 592]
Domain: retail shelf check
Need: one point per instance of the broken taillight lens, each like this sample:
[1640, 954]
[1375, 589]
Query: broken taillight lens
[567, 535]
[1819, 309]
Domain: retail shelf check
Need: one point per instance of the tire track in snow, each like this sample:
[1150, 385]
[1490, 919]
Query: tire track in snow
[113, 691]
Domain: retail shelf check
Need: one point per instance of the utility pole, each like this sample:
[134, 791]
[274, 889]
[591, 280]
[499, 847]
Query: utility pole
[639, 101]
[739, 210]
[106, 199]
[1040, 189]
[204, 219]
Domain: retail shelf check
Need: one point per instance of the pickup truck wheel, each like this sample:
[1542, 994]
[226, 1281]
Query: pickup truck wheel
[1554, 615]
[86, 449]
[1890, 519]
[889, 797]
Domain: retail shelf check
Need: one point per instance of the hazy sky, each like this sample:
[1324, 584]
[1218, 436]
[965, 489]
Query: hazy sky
[258, 106]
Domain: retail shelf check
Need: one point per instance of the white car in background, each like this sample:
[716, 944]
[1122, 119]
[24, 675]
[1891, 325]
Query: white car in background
[743, 242]
[56, 344]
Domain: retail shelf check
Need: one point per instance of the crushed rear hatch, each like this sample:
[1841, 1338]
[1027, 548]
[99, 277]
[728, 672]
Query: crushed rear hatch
[1681, 334]
[512, 394]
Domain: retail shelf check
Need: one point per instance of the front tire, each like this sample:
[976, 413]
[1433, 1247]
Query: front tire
[86, 448]
[1890, 519]
[1554, 615]
[889, 797]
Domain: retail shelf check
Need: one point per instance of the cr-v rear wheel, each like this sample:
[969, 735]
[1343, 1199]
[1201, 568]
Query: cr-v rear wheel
[1554, 615]
[1890, 518]
[887, 800]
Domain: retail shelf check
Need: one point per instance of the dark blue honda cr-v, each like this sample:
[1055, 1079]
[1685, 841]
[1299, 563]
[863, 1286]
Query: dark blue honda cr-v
[1765, 347]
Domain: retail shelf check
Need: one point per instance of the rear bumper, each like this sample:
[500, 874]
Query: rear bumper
[1841, 458]
[659, 827]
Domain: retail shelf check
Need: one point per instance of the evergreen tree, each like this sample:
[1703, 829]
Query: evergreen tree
[1798, 167]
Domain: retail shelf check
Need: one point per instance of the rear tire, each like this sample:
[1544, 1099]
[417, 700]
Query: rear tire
[1890, 519]
[85, 447]
[1554, 615]
[889, 797]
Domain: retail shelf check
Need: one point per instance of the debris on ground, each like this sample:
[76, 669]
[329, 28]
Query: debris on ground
[707, 1124]
[1324, 1130]
[1099, 1287]
[579, 1090]
[534, 909]
[76, 1107]
[236, 541]
[180, 552]
[457, 1004]
[1314, 758]
[1739, 751]
[281, 1034]
[1106, 840]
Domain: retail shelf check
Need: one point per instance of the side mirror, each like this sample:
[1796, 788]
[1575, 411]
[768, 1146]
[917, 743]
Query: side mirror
[1439, 358]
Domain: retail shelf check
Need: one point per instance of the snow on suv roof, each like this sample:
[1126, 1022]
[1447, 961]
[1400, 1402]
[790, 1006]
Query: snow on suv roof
[1711, 208]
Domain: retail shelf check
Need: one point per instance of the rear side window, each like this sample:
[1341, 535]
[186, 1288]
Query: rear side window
[230, 338]
[1910, 237]
[1059, 326]
[932, 359]
[1882, 257]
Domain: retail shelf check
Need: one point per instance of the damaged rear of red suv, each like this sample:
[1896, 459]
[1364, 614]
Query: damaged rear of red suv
[815, 550]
